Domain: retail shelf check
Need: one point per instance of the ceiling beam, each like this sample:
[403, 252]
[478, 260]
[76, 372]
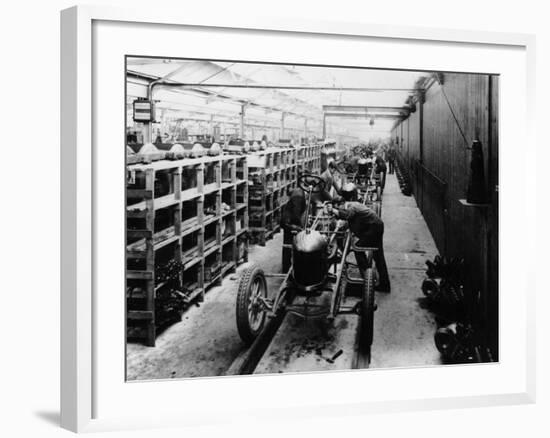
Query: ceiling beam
[285, 87]
[364, 116]
[356, 109]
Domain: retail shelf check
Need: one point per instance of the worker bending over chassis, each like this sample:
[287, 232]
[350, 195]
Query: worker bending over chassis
[368, 228]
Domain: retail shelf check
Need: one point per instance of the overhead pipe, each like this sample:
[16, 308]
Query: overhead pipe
[364, 116]
[283, 87]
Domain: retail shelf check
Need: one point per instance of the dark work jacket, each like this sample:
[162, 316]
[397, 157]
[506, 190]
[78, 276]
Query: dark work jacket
[380, 165]
[359, 217]
[292, 216]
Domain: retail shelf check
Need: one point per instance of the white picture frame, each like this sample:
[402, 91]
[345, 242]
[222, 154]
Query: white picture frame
[81, 369]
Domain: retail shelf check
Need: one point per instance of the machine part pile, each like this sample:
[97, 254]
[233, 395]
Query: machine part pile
[460, 337]
[444, 288]
[403, 177]
[461, 343]
[171, 297]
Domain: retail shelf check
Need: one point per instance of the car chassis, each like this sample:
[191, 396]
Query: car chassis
[254, 307]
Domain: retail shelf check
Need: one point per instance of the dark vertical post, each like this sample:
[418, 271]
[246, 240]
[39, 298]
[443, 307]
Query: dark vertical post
[150, 258]
[420, 193]
[242, 121]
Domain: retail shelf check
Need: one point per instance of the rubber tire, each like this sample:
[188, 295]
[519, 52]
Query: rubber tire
[367, 313]
[249, 275]
[446, 342]
[430, 288]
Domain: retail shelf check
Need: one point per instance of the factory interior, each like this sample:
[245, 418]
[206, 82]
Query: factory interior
[297, 218]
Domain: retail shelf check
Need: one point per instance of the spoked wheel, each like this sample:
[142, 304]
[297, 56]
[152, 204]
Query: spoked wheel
[367, 314]
[250, 311]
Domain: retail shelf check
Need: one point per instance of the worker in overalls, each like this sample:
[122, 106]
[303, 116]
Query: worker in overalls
[368, 228]
[293, 218]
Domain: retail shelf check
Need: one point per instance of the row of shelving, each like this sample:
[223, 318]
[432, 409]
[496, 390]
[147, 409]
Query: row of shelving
[272, 175]
[309, 158]
[187, 223]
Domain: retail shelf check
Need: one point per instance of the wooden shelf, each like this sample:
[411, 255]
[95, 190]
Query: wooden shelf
[211, 220]
[228, 239]
[191, 297]
[273, 172]
[214, 280]
[186, 185]
[192, 262]
[162, 202]
[228, 267]
[190, 194]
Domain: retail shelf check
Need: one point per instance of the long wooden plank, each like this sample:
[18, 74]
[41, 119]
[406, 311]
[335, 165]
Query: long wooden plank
[139, 275]
[139, 234]
[140, 315]
[139, 193]
[247, 361]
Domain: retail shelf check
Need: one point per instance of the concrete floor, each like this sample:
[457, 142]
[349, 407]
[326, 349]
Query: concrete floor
[310, 345]
[206, 342]
[403, 330]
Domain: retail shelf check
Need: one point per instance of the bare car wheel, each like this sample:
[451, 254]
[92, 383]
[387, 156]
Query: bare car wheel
[250, 310]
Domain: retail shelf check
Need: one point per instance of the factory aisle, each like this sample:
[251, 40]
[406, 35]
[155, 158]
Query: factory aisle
[403, 330]
[206, 342]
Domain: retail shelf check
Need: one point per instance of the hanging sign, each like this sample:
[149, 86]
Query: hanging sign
[144, 111]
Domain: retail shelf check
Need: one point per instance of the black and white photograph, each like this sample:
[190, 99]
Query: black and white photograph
[286, 218]
[311, 219]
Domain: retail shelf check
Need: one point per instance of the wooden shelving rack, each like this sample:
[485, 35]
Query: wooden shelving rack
[194, 211]
[272, 175]
[309, 158]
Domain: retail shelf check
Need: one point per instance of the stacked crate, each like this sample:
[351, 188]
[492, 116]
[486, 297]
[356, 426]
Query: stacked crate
[190, 213]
